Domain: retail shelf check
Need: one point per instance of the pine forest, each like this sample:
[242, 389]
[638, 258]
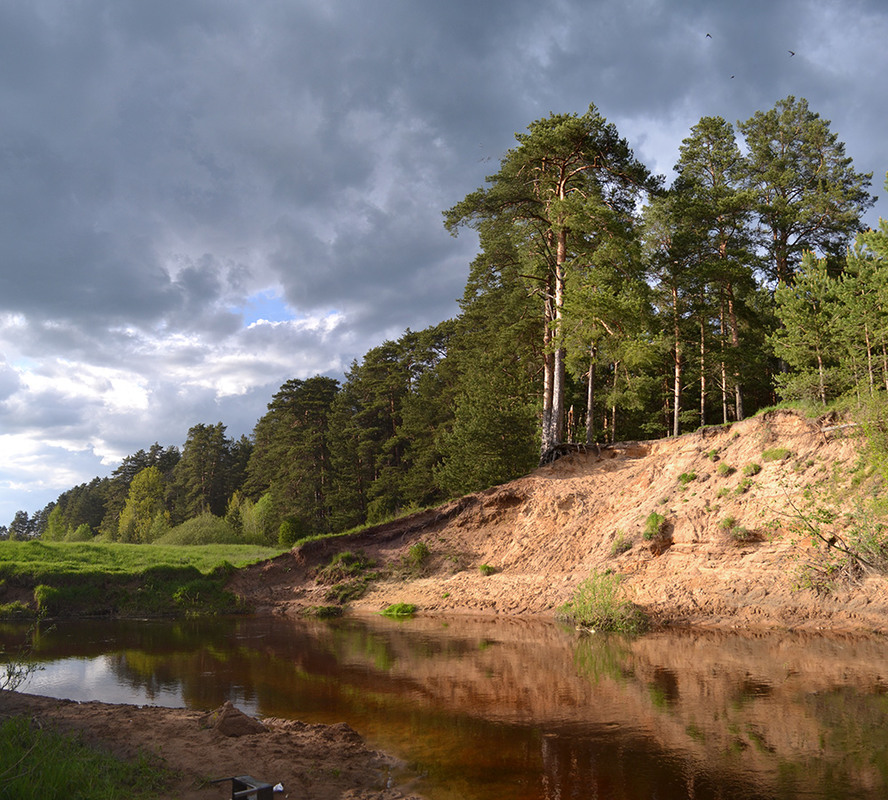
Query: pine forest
[603, 305]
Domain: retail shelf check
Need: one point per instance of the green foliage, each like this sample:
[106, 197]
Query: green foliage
[687, 477]
[596, 604]
[83, 533]
[724, 470]
[40, 763]
[399, 610]
[752, 468]
[486, 569]
[417, 555]
[143, 503]
[206, 528]
[15, 610]
[654, 526]
[712, 455]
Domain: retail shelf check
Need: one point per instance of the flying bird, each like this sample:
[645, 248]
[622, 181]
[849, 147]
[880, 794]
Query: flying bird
[708, 35]
[791, 53]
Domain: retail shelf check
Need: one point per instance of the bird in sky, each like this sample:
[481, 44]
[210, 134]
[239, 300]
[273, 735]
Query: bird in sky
[708, 35]
[791, 53]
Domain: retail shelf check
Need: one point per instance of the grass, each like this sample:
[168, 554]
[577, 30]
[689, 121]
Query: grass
[596, 605]
[751, 469]
[399, 610]
[343, 566]
[486, 569]
[38, 763]
[621, 544]
[89, 579]
[724, 470]
[776, 454]
[687, 477]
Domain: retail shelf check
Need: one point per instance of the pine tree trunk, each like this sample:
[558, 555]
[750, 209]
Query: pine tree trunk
[735, 343]
[676, 378]
[548, 374]
[869, 359]
[590, 397]
[702, 372]
[724, 371]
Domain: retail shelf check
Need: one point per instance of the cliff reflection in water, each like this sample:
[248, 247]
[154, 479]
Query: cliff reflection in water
[523, 709]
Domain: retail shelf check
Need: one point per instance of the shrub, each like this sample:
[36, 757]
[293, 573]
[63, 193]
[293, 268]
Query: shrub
[752, 469]
[596, 604]
[724, 470]
[687, 477]
[737, 533]
[727, 523]
[654, 525]
[486, 569]
[418, 554]
[415, 559]
[712, 455]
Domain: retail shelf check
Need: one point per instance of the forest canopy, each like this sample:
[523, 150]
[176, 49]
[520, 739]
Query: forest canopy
[602, 305]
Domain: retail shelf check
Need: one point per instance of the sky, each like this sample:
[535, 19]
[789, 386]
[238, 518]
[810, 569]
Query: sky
[202, 199]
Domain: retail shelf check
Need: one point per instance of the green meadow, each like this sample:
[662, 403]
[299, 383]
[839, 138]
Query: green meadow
[68, 579]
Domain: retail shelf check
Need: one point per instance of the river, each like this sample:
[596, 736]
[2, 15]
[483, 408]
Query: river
[523, 709]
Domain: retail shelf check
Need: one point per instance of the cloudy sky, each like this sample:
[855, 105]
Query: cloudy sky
[200, 199]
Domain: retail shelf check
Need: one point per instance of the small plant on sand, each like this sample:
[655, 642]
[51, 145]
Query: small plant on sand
[724, 470]
[737, 533]
[343, 566]
[399, 610]
[597, 606]
[712, 455]
[418, 554]
[752, 468]
[654, 526]
[687, 477]
[743, 487]
[486, 569]
[622, 544]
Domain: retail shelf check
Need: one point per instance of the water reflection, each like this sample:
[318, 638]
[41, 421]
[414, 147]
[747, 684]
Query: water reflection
[521, 709]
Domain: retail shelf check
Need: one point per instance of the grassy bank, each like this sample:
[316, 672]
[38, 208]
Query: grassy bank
[69, 579]
[40, 763]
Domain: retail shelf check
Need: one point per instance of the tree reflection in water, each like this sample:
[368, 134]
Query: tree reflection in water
[524, 709]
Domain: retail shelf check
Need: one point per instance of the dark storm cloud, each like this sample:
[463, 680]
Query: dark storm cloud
[162, 163]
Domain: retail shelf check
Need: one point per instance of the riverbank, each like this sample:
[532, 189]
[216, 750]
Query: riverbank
[311, 762]
[732, 527]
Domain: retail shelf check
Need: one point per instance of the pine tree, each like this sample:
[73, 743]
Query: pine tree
[569, 184]
[808, 197]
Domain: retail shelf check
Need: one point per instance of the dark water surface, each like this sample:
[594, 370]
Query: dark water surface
[519, 709]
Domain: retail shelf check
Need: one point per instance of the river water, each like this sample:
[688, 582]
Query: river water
[510, 708]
